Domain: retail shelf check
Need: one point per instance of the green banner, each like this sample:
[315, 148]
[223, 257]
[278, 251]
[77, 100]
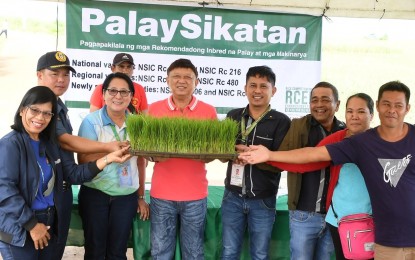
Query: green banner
[196, 31]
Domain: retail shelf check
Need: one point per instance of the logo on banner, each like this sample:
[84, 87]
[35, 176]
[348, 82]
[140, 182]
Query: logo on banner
[297, 100]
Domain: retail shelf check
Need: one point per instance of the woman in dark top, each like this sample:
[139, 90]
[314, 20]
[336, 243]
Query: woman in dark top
[32, 174]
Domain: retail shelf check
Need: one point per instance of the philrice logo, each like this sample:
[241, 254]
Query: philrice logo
[394, 168]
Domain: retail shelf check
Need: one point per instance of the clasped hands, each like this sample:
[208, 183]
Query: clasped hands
[120, 152]
[252, 154]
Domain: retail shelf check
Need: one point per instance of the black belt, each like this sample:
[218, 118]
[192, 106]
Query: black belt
[48, 210]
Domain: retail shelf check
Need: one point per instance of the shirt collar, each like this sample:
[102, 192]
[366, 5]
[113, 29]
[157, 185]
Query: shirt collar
[106, 120]
[191, 106]
[337, 124]
[245, 112]
[61, 106]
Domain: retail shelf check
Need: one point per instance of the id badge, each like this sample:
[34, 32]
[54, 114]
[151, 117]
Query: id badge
[125, 177]
[237, 175]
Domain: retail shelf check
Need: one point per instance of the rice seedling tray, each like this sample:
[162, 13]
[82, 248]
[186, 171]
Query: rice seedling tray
[200, 156]
[180, 137]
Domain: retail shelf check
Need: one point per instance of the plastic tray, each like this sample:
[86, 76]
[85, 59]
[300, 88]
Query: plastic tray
[200, 156]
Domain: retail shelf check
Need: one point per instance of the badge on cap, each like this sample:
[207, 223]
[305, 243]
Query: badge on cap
[60, 56]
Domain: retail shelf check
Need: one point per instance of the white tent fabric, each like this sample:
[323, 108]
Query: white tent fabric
[402, 9]
[381, 9]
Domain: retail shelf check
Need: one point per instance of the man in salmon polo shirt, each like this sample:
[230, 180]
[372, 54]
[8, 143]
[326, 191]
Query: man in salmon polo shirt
[179, 187]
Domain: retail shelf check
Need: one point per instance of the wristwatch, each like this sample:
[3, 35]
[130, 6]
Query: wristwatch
[141, 197]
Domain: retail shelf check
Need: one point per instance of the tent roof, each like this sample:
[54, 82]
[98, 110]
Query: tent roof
[385, 9]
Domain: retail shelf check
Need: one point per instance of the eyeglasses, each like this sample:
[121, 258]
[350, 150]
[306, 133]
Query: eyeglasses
[114, 92]
[36, 112]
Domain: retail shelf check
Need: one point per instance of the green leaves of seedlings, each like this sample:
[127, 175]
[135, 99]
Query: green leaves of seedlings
[181, 135]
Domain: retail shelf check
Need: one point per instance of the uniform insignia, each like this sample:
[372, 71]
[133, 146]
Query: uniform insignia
[60, 56]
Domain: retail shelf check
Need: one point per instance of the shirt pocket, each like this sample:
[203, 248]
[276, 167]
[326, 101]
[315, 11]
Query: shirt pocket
[263, 140]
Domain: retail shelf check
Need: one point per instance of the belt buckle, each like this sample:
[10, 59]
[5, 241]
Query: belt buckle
[50, 208]
[66, 186]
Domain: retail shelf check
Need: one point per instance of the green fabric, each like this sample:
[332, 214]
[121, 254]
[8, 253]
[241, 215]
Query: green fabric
[213, 236]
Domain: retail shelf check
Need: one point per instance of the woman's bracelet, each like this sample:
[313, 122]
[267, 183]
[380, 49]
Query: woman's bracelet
[105, 160]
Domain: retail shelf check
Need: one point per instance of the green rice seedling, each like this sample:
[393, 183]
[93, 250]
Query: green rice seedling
[228, 133]
[181, 135]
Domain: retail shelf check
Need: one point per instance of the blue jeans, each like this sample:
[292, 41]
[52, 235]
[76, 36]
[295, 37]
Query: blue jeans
[239, 213]
[28, 251]
[310, 236]
[107, 222]
[165, 215]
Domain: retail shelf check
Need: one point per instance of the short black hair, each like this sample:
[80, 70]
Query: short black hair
[395, 86]
[262, 71]
[365, 97]
[38, 95]
[324, 84]
[182, 63]
[120, 75]
[130, 83]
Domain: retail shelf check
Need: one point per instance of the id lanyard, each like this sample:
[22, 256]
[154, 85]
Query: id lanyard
[117, 137]
[245, 131]
[124, 171]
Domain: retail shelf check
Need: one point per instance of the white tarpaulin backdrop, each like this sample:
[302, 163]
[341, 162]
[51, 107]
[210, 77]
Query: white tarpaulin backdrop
[221, 45]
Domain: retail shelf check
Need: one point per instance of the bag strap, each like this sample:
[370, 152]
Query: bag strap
[332, 208]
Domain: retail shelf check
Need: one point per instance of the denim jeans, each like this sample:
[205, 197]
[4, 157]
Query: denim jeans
[310, 236]
[107, 222]
[165, 216]
[258, 215]
[28, 251]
